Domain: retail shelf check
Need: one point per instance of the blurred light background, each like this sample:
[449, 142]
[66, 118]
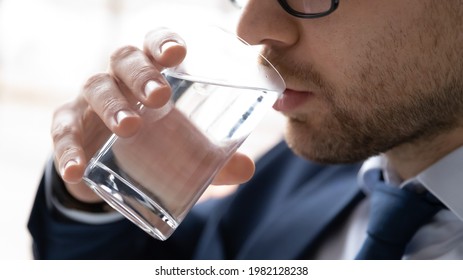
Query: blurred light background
[47, 50]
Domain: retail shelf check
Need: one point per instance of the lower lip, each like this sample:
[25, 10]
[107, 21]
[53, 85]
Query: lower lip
[291, 99]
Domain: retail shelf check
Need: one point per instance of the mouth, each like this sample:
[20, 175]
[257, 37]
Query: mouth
[291, 100]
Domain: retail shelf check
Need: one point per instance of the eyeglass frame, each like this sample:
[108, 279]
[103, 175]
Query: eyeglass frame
[284, 4]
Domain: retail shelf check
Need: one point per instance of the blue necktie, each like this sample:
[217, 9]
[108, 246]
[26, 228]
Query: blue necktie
[395, 216]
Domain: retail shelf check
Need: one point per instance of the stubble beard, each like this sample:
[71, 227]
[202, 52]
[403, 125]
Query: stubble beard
[383, 108]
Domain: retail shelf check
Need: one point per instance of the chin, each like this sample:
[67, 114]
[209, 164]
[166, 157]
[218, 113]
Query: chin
[302, 141]
[324, 146]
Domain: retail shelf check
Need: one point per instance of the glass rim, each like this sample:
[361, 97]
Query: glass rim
[250, 73]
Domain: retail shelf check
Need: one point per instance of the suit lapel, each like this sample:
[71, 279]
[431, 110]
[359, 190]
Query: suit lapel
[289, 203]
[295, 227]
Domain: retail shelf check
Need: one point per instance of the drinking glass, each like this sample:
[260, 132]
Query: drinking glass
[220, 92]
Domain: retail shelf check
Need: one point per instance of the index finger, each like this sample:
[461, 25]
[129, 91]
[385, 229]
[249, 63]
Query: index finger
[164, 47]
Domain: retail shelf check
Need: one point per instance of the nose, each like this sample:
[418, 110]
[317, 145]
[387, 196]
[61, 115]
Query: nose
[264, 22]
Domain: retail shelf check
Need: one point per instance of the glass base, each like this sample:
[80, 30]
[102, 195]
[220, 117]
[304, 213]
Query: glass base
[125, 197]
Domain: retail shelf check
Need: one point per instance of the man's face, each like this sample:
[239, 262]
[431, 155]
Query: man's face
[371, 76]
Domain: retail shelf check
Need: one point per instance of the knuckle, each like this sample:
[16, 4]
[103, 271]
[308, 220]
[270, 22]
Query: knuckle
[97, 82]
[162, 34]
[67, 153]
[122, 53]
[62, 131]
[98, 89]
[142, 74]
[111, 105]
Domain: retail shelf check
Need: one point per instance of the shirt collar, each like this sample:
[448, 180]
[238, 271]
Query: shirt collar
[370, 172]
[444, 179]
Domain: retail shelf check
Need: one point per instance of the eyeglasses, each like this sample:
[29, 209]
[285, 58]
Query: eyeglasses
[303, 8]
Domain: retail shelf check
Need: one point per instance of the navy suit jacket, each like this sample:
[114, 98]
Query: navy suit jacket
[282, 213]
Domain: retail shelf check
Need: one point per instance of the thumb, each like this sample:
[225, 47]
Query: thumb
[239, 169]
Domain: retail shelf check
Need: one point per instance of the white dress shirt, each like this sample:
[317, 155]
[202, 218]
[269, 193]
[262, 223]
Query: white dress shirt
[441, 238]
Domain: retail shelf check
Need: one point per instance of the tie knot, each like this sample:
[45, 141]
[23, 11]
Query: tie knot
[395, 216]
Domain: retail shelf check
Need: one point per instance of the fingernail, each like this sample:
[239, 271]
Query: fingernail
[167, 45]
[152, 86]
[121, 115]
[68, 164]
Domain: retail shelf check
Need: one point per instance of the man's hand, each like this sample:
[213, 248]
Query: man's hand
[106, 105]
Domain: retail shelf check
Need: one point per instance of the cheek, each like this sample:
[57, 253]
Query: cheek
[357, 53]
[336, 60]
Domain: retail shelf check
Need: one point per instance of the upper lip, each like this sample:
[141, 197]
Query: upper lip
[296, 87]
[297, 90]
